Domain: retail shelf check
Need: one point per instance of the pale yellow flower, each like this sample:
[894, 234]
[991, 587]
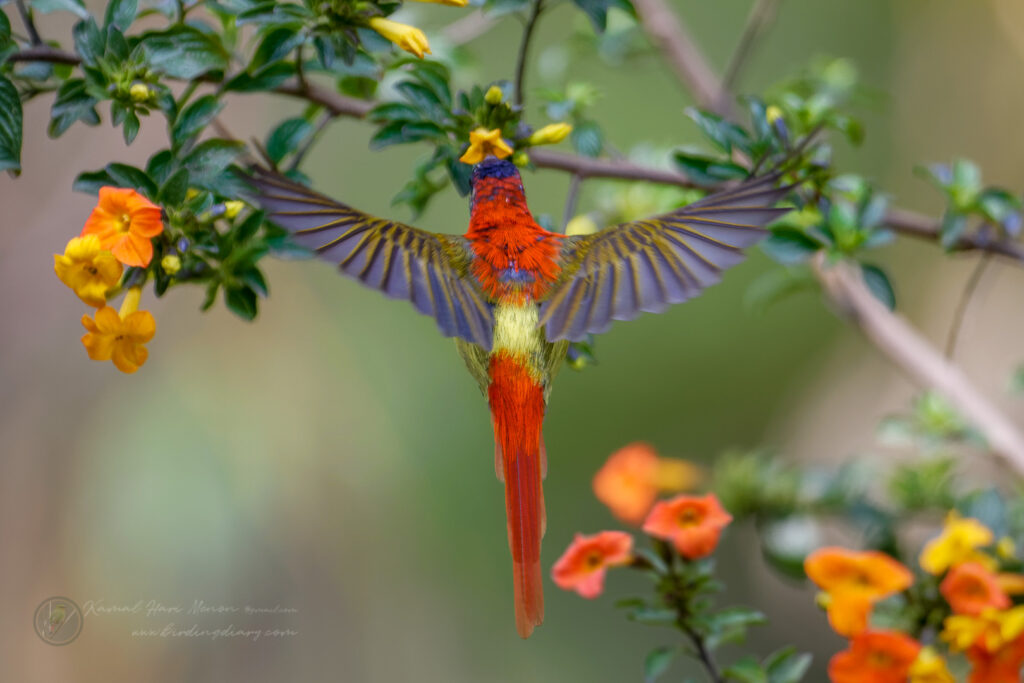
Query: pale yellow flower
[551, 134]
[482, 143]
[409, 38]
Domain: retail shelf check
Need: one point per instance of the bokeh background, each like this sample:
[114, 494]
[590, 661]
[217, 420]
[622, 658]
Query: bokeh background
[334, 458]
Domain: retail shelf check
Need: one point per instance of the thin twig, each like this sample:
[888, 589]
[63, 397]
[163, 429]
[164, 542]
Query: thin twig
[307, 144]
[965, 299]
[761, 15]
[571, 199]
[705, 657]
[524, 47]
[675, 41]
[468, 28]
[30, 24]
[905, 346]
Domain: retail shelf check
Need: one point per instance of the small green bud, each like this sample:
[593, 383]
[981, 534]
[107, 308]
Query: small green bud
[140, 92]
[494, 95]
[171, 264]
[232, 208]
[521, 159]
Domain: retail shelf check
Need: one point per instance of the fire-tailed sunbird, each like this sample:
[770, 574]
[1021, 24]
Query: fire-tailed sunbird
[514, 295]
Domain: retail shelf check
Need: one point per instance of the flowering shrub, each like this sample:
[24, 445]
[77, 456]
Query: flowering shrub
[951, 610]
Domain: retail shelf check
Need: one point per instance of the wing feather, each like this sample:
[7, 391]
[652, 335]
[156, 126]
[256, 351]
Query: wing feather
[396, 259]
[647, 265]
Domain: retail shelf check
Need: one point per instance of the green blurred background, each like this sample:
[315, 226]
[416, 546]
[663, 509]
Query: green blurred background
[334, 457]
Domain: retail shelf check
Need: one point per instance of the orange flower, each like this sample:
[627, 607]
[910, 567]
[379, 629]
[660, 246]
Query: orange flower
[969, 588]
[582, 566]
[629, 481]
[120, 336]
[125, 222]
[1001, 666]
[875, 657]
[693, 523]
[854, 581]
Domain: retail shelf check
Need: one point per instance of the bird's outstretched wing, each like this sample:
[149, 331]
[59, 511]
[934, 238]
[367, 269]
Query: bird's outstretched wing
[431, 270]
[645, 265]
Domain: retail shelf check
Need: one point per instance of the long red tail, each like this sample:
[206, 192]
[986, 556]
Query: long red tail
[517, 410]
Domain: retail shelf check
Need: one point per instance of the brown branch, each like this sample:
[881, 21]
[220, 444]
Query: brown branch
[923, 227]
[44, 53]
[905, 347]
[761, 15]
[524, 48]
[678, 46]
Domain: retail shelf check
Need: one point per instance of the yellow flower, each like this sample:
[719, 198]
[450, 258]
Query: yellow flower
[551, 134]
[483, 142]
[493, 95]
[170, 264]
[232, 208]
[930, 667]
[409, 38]
[990, 630]
[120, 336]
[772, 114]
[958, 543]
[87, 269]
[521, 159]
[1006, 548]
[450, 3]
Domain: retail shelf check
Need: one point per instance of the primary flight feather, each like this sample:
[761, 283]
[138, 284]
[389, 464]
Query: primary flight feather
[514, 295]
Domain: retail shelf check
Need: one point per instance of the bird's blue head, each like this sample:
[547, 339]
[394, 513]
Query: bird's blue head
[493, 167]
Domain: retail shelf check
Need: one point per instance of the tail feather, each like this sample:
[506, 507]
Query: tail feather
[517, 408]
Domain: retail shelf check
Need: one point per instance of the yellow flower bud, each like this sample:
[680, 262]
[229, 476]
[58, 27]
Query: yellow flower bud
[232, 208]
[521, 159]
[494, 95]
[581, 225]
[550, 134]
[409, 38]
[772, 114]
[140, 92]
[171, 264]
[1006, 548]
[191, 193]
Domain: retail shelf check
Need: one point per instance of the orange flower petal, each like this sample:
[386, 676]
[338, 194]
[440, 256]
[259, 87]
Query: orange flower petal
[583, 565]
[875, 657]
[970, 587]
[693, 524]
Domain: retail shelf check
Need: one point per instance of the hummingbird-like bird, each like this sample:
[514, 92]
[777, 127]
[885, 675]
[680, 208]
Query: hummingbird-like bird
[513, 295]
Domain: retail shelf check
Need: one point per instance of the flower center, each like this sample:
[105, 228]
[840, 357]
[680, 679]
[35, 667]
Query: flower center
[689, 517]
[593, 560]
[124, 223]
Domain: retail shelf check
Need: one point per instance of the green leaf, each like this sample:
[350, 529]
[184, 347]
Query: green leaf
[597, 10]
[730, 624]
[121, 13]
[252, 277]
[790, 246]
[47, 6]
[159, 165]
[746, 670]
[878, 282]
[657, 662]
[267, 78]
[210, 158]
[587, 139]
[953, 227]
[10, 127]
[131, 127]
[184, 52]
[650, 615]
[275, 45]
[211, 295]
[244, 231]
[705, 170]
[241, 301]
[398, 132]
[175, 188]
[90, 42]
[124, 175]
[393, 111]
[721, 132]
[72, 104]
[286, 137]
[786, 666]
[194, 118]
[424, 99]
[90, 182]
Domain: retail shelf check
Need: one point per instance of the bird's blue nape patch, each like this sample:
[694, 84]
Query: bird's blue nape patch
[493, 167]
